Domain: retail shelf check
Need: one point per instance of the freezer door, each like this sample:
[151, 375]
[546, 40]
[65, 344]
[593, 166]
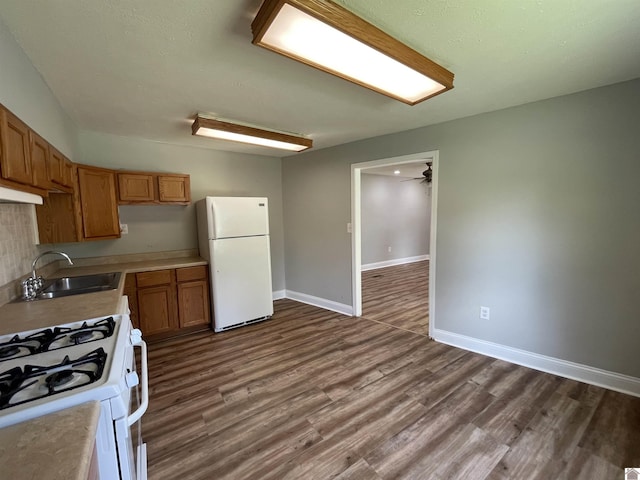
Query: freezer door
[239, 216]
[240, 280]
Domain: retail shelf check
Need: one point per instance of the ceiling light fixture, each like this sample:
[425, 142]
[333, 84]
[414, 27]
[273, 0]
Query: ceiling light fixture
[225, 130]
[326, 36]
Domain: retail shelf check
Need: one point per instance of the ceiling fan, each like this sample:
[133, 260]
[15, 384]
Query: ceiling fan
[426, 175]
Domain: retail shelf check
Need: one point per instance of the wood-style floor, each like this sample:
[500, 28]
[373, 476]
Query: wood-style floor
[312, 394]
[398, 296]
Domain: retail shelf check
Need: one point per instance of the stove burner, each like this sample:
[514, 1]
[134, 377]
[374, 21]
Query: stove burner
[58, 379]
[9, 351]
[19, 385]
[81, 336]
[52, 339]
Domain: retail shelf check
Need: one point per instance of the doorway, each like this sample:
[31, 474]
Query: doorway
[356, 215]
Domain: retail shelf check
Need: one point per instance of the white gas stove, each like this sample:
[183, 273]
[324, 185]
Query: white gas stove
[44, 371]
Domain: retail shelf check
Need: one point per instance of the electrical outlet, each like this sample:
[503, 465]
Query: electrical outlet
[485, 313]
[389, 249]
[124, 228]
[349, 230]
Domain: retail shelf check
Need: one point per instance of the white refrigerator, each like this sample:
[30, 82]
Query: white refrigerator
[233, 235]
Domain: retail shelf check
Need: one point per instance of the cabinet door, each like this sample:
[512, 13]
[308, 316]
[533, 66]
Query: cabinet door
[193, 303]
[15, 161]
[136, 187]
[57, 219]
[174, 189]
[67, 172]
[157, 309]
[98, 204]
[56, 172]
[40, 160]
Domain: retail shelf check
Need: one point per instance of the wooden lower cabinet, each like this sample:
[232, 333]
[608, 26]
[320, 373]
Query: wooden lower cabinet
[157, 307]
[193, 296]
[170, 302]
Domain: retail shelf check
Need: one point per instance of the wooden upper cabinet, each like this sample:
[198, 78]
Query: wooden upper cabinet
[67, 173]
[98, 203]
[57, 219]
[15, 160]
[40, 161]
[174, 188]
[149, 188]
[136, 187]
[60, 170]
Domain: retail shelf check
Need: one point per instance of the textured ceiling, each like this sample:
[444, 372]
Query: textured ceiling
[143, 68]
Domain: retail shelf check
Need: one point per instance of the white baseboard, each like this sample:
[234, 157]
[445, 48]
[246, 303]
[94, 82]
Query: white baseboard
[279, 294]
[320, 302]
[394, 262]
[575, 371]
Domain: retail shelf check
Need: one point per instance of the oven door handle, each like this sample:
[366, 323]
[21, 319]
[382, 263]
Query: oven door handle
[144, 403]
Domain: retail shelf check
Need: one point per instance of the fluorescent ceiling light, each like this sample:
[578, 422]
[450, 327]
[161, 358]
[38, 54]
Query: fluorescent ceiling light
[396, 172]
[324, 35]
[225, 130]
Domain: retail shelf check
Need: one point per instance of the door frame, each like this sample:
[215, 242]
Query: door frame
[356, 226]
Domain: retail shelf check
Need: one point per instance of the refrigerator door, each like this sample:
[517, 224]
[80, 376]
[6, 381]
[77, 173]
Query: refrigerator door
[238, 216]
[240, 280]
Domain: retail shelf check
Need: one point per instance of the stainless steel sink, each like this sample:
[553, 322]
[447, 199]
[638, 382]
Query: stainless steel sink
[65, 286]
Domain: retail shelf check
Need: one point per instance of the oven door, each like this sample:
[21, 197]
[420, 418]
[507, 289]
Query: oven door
[132, 453]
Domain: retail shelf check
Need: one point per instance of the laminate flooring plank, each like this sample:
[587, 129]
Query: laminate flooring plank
[322, 365]
[312, 394]
[360, 470]
[223, 415]
[241, 435]
[444, 381]
[551, 437]
[264, 454]
[471, 454]
[398, 296]
[374, 407]
[416, 451]
[506, 418]
[325, 459]
[614, 431]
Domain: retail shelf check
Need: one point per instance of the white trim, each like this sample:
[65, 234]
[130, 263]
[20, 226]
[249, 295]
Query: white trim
[564, 368]
[356, 237]
[279, 294]
[16, 196]
[319, 302]
[394, 262]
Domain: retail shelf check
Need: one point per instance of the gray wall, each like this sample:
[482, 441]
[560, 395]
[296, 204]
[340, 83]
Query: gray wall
[162, 228]
[396, 214]
[537, 219]
[24, 92]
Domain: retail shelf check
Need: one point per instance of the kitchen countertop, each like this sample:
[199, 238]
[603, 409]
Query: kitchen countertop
[23, 316]
[57, 446]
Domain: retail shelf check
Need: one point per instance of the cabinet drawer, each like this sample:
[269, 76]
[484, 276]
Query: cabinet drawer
[151, 279]
[188, 274]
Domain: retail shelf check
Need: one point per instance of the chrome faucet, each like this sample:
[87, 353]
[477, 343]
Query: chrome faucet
[32, 285]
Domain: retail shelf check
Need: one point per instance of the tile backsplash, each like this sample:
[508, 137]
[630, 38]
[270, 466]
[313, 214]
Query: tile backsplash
[17, 241]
